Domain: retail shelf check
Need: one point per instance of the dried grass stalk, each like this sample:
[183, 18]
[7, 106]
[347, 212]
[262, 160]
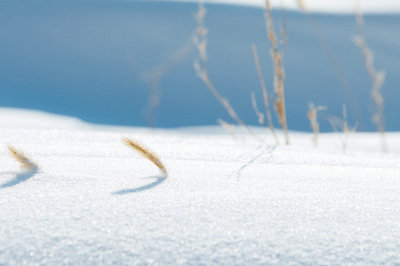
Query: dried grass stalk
[20, 157]
[265, 93]
[313, 117]
[153, 79]
[343, 125]
[302, 6]
[345, 129]
[200, 66]
[277, 54]
[228, 127]
[259, 114]
[334, 61]
[146, 153]
[377, 79]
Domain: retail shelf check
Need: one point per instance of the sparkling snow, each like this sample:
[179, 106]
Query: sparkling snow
[225, 201]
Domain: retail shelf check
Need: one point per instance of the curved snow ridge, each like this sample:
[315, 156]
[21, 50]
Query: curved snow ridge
[52, 136]
[107, 146]
[318, 6]
[13, 118]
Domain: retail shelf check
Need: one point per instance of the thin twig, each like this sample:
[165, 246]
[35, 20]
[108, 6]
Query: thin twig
[200, 66]
[153, 78]
[377, 79]
[265, 93]
[279, 74]
[259, 114]
[313, 117]
[343, 125]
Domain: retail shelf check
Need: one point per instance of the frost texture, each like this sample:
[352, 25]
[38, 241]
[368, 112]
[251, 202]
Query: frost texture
[290, 205]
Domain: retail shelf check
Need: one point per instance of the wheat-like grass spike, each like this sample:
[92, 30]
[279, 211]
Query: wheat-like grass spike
[147, 153]
[20, 157]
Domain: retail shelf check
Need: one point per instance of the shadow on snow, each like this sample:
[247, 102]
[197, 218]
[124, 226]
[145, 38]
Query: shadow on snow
[20, 177]
[159, 179]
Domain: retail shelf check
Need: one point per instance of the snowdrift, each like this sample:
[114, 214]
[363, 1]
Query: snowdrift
[225, 201]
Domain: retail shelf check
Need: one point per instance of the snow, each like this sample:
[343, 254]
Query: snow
[225, 201]
[337, 6]
[228, 199]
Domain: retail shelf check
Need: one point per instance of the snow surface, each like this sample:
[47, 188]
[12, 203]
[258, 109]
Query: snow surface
[225, 201]
[324, 6]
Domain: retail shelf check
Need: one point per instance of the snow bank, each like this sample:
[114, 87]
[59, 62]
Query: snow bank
[226, 201]
[337, 6]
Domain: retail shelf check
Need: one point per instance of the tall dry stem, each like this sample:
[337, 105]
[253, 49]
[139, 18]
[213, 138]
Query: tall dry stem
[154, 76]
[343, 125]
[265, 93]
[334, 62]
[259, 114]
[377, 79]
[277, 53]
[345, 129]
[200, 65]
[313, 117]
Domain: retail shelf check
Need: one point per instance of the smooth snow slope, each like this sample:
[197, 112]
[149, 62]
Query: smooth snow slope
[94, 201]
[90, 59]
